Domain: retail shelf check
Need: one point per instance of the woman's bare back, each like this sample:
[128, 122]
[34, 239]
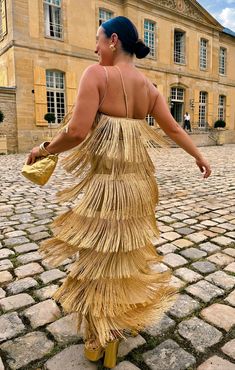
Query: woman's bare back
[112, 92]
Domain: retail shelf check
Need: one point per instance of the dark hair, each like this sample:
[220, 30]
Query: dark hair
[127, 34]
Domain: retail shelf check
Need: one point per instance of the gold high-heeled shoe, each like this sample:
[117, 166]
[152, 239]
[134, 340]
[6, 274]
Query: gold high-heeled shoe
[110, 357]
[93, 354]
[134, 333]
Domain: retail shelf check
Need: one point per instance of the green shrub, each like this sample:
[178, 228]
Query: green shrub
[50, 117]
[219, 123]
[1, 116]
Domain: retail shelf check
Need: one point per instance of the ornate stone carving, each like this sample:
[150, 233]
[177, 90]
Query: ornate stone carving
[168, 3]
[182, 6]
[191, 11]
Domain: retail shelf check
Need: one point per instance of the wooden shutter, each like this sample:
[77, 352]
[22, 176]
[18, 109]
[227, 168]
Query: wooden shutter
[71, 89]
[196, 107]
[227, 112]
[40, 95]
[210, 108]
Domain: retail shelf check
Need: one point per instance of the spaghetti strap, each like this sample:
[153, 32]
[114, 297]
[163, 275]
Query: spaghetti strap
[124, 91]
[106, 86]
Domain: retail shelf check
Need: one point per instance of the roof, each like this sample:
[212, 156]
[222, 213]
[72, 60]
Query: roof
[229, 32]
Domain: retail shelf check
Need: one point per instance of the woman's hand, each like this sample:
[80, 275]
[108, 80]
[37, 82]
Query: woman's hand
[204, 167]
[35, 153]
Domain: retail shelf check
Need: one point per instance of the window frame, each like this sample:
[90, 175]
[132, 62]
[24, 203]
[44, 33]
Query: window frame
[203, 104]
[224, 60]
[222, 107]
[183, 61]
[150, 120]
[154, 33]
[55, 90]
[47, 30]
[206, 49]
[177, 90]
[106, 11]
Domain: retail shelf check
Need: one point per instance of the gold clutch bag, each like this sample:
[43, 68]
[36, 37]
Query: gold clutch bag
[40, 171]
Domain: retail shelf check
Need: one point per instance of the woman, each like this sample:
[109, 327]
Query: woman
[112, 286]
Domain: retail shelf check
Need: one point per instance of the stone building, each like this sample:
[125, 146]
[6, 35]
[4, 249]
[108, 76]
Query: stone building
[46, 44]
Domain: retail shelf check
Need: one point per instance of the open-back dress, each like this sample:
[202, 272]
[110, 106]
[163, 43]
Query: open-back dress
[111, 285]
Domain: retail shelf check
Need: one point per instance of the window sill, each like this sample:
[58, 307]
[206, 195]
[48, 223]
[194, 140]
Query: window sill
[151, 57]
[181, 64]
[54, 38]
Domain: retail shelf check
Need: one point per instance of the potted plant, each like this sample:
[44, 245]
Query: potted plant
[50, 118]
[219, 126]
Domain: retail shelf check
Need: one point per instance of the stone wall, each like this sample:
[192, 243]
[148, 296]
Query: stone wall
[9, 126]
[210, 138]
[230, 137]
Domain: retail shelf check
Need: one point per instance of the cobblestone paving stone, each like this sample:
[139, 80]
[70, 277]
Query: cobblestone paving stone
[196, 218]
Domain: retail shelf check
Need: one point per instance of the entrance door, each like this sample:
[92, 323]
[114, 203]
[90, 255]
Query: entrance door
[177, 104]
[177, 111]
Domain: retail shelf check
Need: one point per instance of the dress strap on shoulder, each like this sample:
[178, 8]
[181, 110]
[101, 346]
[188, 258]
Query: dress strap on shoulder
[106, 86]
[124, 90]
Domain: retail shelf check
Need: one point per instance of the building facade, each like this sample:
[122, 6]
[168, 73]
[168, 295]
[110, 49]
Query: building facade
[45, 45]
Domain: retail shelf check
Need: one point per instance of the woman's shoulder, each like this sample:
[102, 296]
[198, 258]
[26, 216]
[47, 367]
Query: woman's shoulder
[94, 69]
[94, 73]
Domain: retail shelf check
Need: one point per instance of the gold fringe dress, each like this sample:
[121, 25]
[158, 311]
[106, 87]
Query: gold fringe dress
[111, 285]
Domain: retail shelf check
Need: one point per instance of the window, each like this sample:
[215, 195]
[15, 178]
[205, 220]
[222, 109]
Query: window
[177, 94]
[202, 108]
[150, 36]
[222, 61]
[203, 53]
[150, 120]
[52, 12]
[221, 107]
[104, 15]
[55, 94]
[179, 47]
[3, 21]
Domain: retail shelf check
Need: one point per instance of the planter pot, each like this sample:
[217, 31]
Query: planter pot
[220, 137]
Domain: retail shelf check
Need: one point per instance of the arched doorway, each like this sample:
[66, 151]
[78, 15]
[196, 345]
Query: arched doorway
[177, 104]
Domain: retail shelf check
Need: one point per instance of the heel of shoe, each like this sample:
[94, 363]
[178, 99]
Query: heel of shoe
[134, 333]
[110, 357]
[93, 354]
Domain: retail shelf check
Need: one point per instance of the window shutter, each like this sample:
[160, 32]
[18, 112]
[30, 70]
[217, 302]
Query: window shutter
[228, 107]
[40, 95]
[71, 89]
[196, 106]
[210, 108]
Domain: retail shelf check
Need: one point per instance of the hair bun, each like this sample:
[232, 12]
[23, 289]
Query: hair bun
[140, 49]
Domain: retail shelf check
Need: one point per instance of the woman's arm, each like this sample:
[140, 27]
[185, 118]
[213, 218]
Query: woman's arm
[161, 113]
[86, 106]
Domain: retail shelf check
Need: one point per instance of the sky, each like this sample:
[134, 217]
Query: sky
[222, 10]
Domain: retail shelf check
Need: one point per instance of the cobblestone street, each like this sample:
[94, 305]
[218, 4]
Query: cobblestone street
[196, 218]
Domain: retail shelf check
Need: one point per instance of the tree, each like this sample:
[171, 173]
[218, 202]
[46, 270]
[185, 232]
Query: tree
[50, 117]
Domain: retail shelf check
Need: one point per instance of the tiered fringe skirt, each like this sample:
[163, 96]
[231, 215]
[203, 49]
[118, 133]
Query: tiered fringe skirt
[111, 285]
